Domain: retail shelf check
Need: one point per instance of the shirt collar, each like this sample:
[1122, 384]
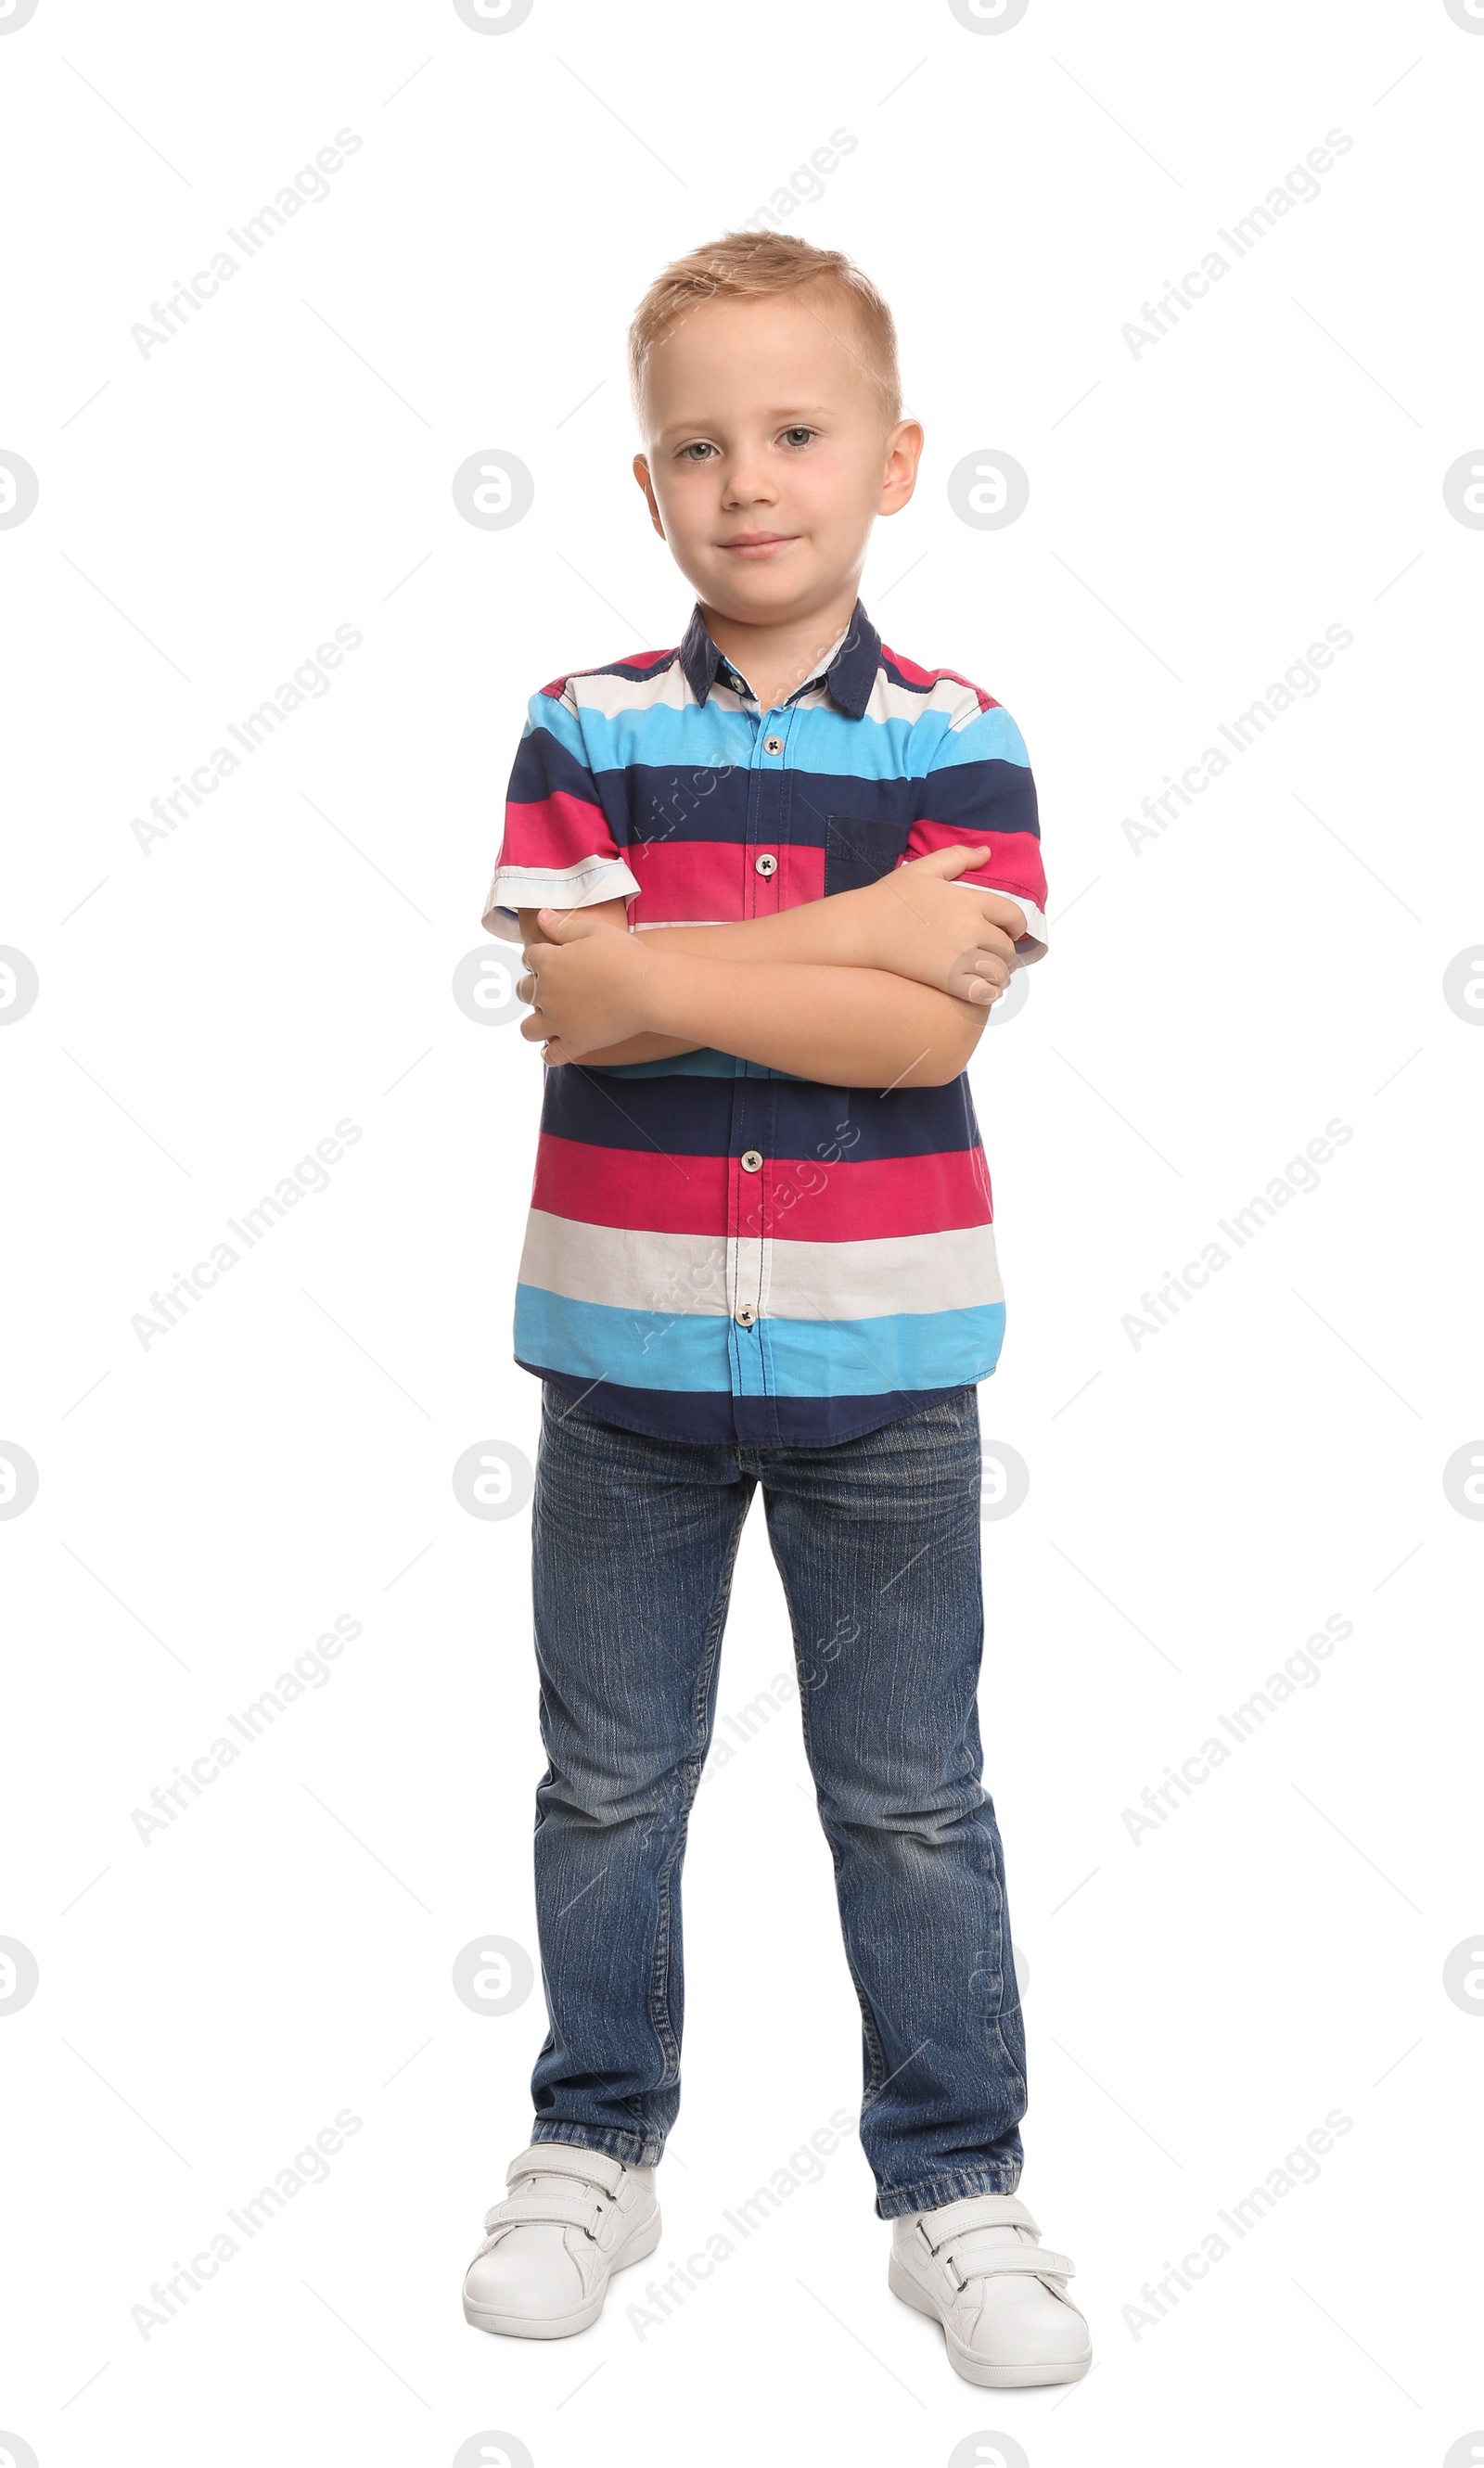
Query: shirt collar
[850, 671]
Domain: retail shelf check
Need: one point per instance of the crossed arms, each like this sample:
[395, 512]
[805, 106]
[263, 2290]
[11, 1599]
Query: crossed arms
[887, 986]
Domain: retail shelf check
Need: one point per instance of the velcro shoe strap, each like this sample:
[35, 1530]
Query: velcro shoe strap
[976, 2212]
[563, 2159]
[974, 2257]
[570, 2206]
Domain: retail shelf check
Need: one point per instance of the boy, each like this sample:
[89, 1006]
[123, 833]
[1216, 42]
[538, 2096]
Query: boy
[768, 884]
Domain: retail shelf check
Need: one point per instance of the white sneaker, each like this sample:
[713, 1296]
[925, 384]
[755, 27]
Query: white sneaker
[571, 2219]
[976, 2268]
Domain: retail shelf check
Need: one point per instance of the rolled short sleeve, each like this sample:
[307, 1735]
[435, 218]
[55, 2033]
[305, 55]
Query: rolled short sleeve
[978, 789]
[558, 849]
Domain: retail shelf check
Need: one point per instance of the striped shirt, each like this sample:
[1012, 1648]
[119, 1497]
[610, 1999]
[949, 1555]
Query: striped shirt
[717, 1252]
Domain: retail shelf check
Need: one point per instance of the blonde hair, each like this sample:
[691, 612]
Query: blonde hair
[752, 265]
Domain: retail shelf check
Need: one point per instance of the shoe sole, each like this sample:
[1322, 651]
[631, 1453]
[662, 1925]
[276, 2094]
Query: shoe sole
[973, 2369]
[642, 2241]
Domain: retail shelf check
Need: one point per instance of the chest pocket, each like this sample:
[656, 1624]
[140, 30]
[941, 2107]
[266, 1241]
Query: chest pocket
[857, 852]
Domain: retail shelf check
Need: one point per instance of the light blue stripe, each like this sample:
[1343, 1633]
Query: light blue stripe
[638, 1349]
[795, 1358]
[707, 1063]
[551, 712]
[993, 737]
[865, 1357]
[695, 735]
[819, 739]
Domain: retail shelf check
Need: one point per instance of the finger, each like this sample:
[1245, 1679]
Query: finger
[994, 942]
[983, 963]
[1004, 914]
[525, 987]
[570, 924]
[945, 864]
[984, 993]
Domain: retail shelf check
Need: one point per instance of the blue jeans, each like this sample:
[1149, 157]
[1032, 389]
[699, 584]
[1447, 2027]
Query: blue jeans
[877, 1540]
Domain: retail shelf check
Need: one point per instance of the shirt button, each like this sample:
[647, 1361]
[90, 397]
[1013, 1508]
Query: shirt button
[772, 746]
[751, 1160]
[766, 866]
[746, 1317]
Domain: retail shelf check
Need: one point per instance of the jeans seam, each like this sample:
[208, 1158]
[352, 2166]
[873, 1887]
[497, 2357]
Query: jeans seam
[659, 1976]
[876, 2070]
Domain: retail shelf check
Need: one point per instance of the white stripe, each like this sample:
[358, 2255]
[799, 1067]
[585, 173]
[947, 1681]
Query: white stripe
[631, 1270]
[958, 704]
[896, 1273]
[614, 696]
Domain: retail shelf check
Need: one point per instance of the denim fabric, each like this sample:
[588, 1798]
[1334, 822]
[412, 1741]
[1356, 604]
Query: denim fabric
[876, 1540]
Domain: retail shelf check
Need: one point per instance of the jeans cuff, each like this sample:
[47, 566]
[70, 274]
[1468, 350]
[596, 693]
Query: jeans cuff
[631, 2148]
[898, 2202]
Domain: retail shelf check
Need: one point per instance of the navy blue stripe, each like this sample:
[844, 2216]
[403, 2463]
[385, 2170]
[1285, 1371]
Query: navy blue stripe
[682, 1116]
[669, 800]
[688, 802]
[660, 802]
[981, 797]
[543, 766]
[711, 1418]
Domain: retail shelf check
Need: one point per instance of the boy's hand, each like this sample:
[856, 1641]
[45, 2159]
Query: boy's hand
[586, 983]
[924, 923]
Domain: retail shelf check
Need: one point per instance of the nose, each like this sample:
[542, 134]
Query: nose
[748, 481]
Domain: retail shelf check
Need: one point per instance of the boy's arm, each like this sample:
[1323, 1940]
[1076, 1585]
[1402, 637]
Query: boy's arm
[851, 1027]
[918, 921]
[558, 846]
[632, 1049]
[978, 787]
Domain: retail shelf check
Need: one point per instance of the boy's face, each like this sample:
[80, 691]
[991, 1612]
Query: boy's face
[768, 456]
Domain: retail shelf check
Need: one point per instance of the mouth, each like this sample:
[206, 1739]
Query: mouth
[757, 544]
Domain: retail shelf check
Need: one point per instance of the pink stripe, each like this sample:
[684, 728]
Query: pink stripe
[717, 882]
[559, 830]
[810, 1203]
[799, 1197]
[638, 1187]
[1015, 857]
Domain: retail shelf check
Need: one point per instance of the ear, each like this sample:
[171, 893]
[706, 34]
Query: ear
[904, 452]
[641, 467]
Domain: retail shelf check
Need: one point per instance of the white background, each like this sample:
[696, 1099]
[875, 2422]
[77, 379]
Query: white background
[1199, 1503]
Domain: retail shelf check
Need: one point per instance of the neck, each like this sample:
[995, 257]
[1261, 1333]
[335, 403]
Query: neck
[775, 657]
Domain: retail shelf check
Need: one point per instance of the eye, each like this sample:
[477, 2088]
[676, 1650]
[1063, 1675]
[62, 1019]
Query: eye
[799, 436]
[695, 451]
